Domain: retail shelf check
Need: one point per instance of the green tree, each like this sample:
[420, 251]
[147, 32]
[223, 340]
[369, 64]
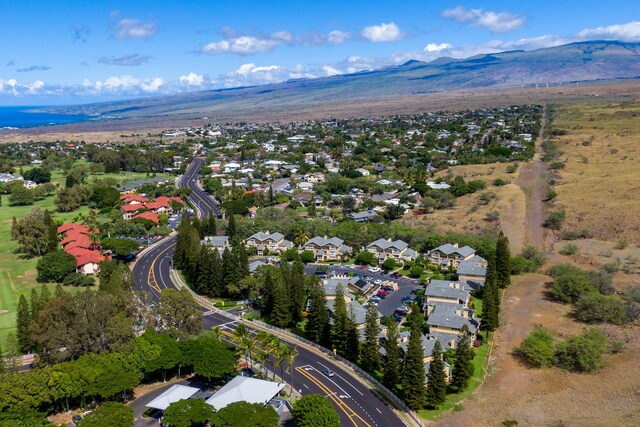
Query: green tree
[314, 410]
[169, 356]
[463, 367]
[389, 264]
[370, 357]
[391, 367]
[177, 313]
[54, 266]
[240, 414]
[490, 298]
[210, 357]
[436, 392]
[340, 327]
[413, 389]
[318, 329]
[538, 349]
[189, 412]
[282, 303]
[503, 261]
[307, 256]
[52, 231]
[231, 228]
[365, 258]
[593, 307]
[120, 247]
[109, 414]
[23, 318]
[298, 290]
[31, 233]
[21, 196]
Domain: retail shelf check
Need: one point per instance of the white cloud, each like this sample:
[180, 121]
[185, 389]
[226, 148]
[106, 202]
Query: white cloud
[433, 47]
[243, 45]
[382, 33]
[338, 37]
[127, 29]
[35, 87]
[191, 79]
[626, 32]
[330, 71]
[496, 22]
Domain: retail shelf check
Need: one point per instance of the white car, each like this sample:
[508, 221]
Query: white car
[378, 282]
[374, 269]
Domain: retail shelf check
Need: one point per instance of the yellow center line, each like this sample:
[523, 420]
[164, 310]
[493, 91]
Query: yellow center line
[331, 395]
[151, 277]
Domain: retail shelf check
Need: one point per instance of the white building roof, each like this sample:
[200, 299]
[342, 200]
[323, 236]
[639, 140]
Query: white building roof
[245, 389]
[172, 394]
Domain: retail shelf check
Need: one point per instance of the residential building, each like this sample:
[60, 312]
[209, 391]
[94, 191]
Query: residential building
[473, 269]
[398, 250]
[268, 243]
[446, 291]
[450, 255]
[219, 243]
[355, 309]
[325, 249]
[364, 216]
[451, 318]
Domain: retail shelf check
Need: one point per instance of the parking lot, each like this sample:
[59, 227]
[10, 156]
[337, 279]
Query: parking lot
[386, 305]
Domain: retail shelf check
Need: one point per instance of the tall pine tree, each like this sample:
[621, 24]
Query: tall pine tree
[52, 232]
[463, 368]
[298, 290]
[370, 356]
[318, 319]
[204, 274]
[353, 338]
[413, 377]
[281, 304]
[392, 367]
[503, 261]
[231, 228]
[341, 323]
[217, 279]
[490, 298]
[268, 294]
[437, 385]
[23, 319]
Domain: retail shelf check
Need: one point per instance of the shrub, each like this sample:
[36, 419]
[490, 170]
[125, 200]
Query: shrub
[78, 279]
[622, 244]
[492, 216]
[365, 258]
[500, 182]
[570, 287]
[389, 264]
[602, 308]
[538, 349]
[582, 353]
[569, 249]
[521, 265]
[512, 168]
[307, 256]
[416, 271]
[557, 165]
[534, 255]
[554, 220]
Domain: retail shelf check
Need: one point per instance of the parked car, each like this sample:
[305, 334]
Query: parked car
[388, 288]
[398, 318]
[76, 419]
[377, 282]
[374, 269]
[375, 298]
[383, 293]
[408, 299]
[328, 372]
[363, 267]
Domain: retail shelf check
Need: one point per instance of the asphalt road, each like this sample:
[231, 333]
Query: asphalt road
[356, 403]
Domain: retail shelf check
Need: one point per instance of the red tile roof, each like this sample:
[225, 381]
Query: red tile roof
[148, 215]
[132, 208]
[155, 205]
[88, 257]
[74, 236]
[128, 198]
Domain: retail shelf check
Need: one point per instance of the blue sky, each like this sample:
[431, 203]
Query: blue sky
[74, 52]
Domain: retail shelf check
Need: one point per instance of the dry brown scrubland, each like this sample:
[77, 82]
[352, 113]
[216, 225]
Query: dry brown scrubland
[600, 186]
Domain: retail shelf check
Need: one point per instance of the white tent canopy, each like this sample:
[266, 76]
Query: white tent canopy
[245, 389]
[172, 394]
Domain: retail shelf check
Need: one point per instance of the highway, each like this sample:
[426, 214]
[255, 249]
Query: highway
[356, 403]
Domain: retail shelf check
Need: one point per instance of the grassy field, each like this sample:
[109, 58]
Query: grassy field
[599, 186]
[468, 216]
[17, 274]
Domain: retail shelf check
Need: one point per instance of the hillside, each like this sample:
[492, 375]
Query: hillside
[576, 62]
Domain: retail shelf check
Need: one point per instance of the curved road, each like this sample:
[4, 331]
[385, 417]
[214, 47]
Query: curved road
[357, 404]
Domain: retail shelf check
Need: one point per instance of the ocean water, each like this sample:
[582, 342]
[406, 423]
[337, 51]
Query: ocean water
[18, 117]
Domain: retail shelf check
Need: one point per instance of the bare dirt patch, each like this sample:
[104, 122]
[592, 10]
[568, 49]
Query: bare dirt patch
[540, 397]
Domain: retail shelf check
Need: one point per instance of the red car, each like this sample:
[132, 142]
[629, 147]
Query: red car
[363, 267]
[383, 294]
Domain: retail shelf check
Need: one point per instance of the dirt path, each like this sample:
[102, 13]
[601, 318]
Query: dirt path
[532, 180]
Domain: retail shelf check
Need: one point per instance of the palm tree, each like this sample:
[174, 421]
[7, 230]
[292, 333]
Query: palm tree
[280, 354]
[291, 354]
[301, 236]
[216, 332]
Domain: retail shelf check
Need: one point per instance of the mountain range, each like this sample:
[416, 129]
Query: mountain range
[575, 62]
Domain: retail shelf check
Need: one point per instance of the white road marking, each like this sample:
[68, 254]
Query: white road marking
[334, 383]
[379, 411]
[339, 376]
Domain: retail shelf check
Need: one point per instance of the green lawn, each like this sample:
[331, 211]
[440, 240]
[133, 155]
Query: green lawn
[453, 400]
[18, 275]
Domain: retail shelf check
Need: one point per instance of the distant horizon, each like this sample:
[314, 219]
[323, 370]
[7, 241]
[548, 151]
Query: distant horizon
[123, 50]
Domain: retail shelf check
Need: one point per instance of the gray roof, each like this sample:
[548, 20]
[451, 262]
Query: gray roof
[474, 266]
[331, 285]
[321, 241]
[385, 244]
[447, 289]
[445, 315]
[173, 394]
[362, 215]
[245, 389]
[428, 342]
[449, 249]
[261, 236]
[215, 241]
[359, 312]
